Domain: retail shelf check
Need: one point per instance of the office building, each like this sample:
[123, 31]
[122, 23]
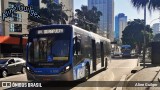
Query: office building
[34, 3]
[120, 24]
[106, 22]
[1, 32]
[17, 24]
[68, 8]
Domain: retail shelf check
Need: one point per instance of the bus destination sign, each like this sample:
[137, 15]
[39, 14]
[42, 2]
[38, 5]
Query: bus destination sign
[50, 31]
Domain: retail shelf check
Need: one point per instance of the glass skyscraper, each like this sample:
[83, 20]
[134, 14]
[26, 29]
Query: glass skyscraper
[120, 24]
[34, 3]
[107, 19]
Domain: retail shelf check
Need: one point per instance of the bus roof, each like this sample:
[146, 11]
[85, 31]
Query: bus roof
[91, 34]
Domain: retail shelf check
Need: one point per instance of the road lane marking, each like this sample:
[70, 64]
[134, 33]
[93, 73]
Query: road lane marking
[123, 78]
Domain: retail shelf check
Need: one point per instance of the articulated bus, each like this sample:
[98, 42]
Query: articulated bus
[65, 53]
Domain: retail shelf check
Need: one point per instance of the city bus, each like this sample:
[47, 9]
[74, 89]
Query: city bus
[65, 53]
[126, 50]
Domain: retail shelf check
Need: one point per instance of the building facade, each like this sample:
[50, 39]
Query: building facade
[1, 32]
[17, 24]
[120, 24]
[156, 28]
[34, 3]
[68, 8]
[107, 19]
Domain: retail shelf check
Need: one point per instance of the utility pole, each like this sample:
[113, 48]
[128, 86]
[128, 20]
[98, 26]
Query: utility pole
[144, 37]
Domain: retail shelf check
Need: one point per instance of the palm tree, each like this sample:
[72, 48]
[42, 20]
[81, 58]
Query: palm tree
[151, 4]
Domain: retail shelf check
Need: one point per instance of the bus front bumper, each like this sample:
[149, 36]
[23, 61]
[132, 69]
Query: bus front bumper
[68, 76]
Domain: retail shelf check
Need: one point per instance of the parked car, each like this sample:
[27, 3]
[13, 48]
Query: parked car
[11, 66]
[114, 54]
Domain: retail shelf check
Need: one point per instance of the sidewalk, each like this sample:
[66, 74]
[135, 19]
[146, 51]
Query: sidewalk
[144, 76]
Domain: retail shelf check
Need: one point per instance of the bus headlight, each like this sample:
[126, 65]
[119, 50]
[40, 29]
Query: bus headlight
[28, 68]
[67, 68]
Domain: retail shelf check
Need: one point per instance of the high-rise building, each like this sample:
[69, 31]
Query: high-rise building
[156, 28]
[34, 3]
[107, 19]
[17, 24]
[120, 24]
[68, 8]
[1, 33]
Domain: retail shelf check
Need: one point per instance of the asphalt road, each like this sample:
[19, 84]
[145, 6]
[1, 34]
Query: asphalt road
[99, 81]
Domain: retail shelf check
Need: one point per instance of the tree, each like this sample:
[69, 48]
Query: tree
[157, 37]
[88, 19]
[52, 13]
[151, 4]
[133, 33]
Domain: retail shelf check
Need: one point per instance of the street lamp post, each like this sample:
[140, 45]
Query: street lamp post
[144, 37]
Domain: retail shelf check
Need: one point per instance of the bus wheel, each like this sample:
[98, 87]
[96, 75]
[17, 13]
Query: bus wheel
[87, 72]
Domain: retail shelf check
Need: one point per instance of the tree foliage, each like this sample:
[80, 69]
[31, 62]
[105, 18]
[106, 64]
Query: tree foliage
[88, 19]
[151, 4]
[50, 14]
[157, 37]
[134, 33]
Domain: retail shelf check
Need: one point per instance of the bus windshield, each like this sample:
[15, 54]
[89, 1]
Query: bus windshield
[126, 48]
[47, 51]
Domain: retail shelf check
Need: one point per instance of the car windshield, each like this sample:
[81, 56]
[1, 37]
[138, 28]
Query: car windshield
[3, 61]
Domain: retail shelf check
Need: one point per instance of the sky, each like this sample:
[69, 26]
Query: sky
[125, 6]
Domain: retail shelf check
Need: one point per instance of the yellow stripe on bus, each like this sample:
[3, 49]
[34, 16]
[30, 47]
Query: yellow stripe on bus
[60, 58]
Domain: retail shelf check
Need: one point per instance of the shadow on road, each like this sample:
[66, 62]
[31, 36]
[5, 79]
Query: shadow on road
[124, 58]
[148, 65]
[59, 85]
